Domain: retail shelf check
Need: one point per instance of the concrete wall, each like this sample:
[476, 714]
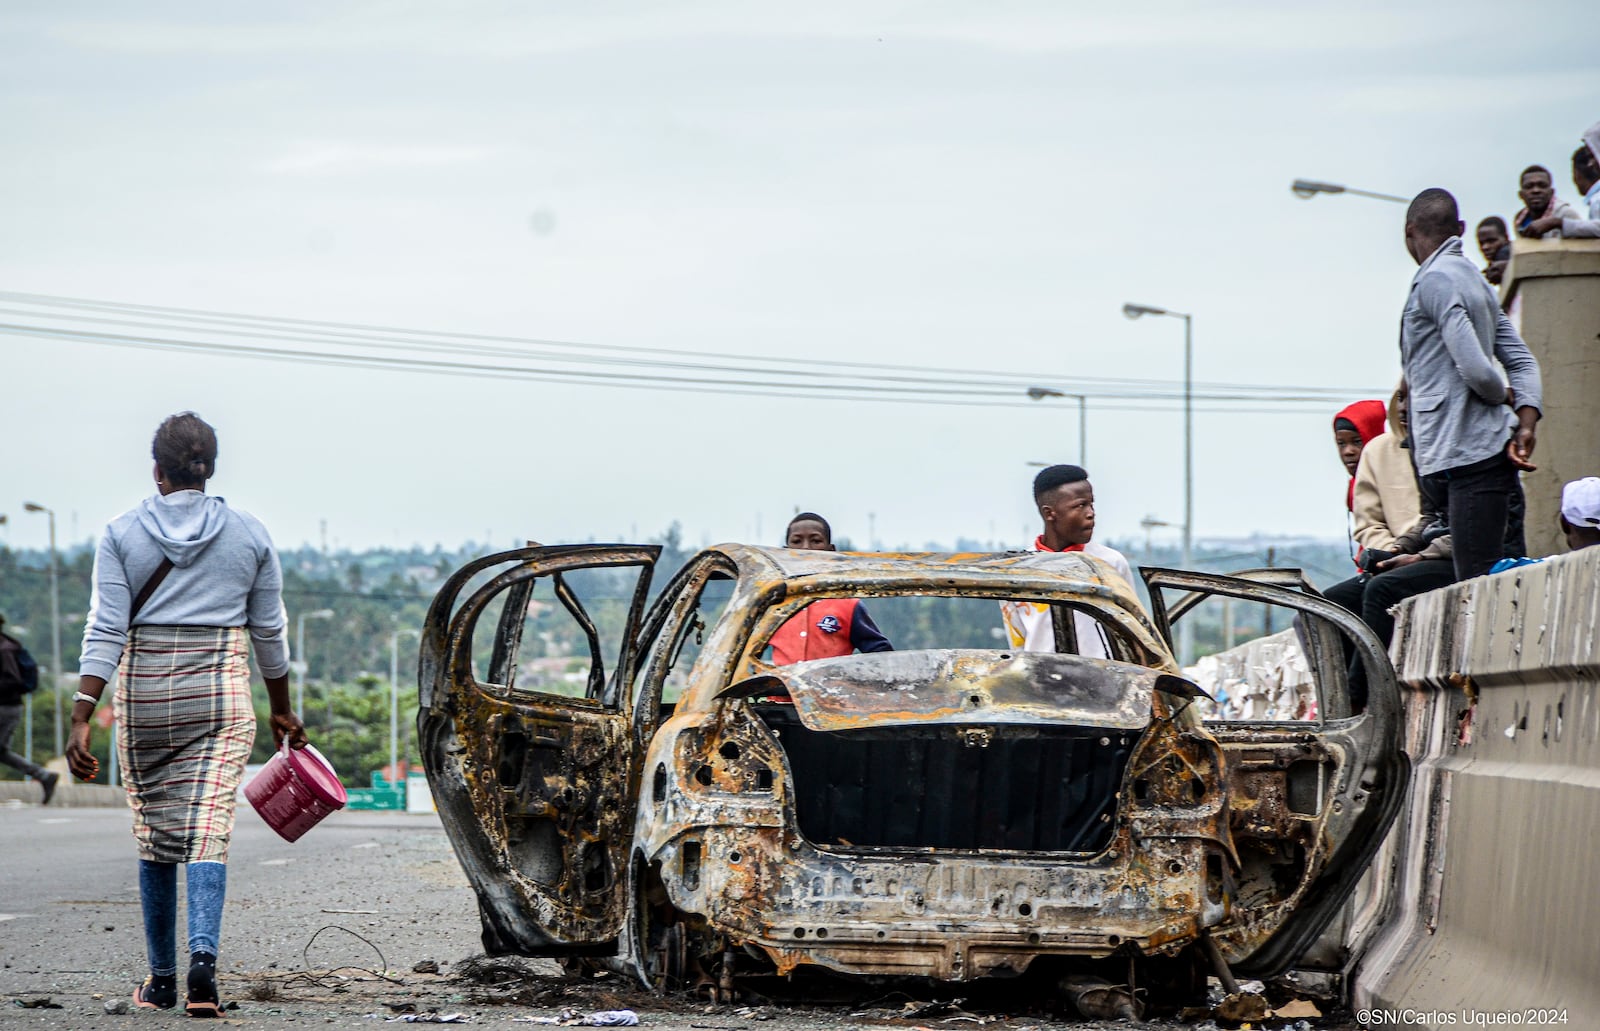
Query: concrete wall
[1553, 287]
[1492, 898]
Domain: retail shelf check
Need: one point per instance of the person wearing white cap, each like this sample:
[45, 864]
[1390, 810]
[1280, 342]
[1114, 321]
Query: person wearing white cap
[1580, 512]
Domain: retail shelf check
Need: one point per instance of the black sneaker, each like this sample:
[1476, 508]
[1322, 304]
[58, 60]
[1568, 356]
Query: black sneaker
[157, 993]
[203, 1001]
[48, 781]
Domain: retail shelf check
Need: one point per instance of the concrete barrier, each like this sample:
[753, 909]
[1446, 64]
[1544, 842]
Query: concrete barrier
[1490, 904]
[67, 795]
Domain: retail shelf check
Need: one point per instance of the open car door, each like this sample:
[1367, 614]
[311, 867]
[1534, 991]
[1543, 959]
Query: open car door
[1311, 799]
[527, 740]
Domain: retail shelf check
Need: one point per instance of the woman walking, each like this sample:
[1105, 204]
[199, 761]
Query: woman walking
[180, 582]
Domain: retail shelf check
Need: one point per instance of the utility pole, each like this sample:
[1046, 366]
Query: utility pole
[1266, 610]
[1149, 523]
[394, 700]
[300, 657]
[1040, 393]
[1134, 311]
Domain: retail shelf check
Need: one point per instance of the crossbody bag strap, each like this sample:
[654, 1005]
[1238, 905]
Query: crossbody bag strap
[149, 587]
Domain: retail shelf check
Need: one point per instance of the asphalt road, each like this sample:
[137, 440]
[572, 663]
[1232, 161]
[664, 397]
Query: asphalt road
[71, 932]
[70, 926]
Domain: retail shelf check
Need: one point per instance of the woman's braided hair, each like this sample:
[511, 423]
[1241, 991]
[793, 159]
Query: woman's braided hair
[185, 449]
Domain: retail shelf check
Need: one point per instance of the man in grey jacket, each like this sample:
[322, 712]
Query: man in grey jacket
[1470, 433]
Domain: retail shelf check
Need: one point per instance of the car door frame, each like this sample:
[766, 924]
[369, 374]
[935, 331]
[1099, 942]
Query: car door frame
[460, 723]
[1367, 801]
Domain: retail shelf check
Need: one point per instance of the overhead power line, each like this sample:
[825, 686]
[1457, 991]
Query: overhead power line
[318, 342]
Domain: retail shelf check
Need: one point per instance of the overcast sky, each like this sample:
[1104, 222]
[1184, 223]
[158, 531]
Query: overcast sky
[974, 185]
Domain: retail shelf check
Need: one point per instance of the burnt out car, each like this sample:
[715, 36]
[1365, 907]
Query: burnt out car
[656, 791]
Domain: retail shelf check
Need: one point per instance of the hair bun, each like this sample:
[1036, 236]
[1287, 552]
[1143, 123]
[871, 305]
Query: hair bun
[185, 450]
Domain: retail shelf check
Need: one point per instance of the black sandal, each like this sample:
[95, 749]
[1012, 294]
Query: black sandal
[151, 996]
[203, 1000]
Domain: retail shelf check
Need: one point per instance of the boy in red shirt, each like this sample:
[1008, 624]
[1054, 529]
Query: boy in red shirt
[829, 627]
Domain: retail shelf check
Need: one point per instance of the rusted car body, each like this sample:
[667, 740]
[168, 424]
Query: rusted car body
[946, 813]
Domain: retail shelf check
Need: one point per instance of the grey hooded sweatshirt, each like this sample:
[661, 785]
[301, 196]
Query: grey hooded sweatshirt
[225, 573]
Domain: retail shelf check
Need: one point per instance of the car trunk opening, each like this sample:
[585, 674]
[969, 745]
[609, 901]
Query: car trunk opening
[1050, 789]
[959, 749]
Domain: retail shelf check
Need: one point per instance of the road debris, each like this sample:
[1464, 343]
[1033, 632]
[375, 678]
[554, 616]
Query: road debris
[574, 1018]
[1099, 999]
[1297, 1008]
[43, 1002]
[427, 966]
[1243, 1007]
[425, 1018]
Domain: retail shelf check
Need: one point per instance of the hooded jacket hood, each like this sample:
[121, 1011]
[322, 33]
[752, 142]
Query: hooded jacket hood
[1591, 138]
[183, 523]
[1368, 417]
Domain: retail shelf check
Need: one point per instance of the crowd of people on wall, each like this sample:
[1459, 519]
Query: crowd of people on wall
[1435, 493]
[1544, 215]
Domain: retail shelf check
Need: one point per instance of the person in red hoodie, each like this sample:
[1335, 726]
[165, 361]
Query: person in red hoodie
[1354, 427]
[832, 626]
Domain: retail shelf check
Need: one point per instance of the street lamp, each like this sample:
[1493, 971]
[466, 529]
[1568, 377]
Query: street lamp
[1134, 311]
[300, 654]
[1040, 393]
[1305, 189]
[1149, 523]
[394, 699]
[55, 624]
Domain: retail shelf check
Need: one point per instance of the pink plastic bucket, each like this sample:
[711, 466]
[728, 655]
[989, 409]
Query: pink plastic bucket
[295, 790]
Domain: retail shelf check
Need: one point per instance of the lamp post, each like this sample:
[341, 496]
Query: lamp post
[1149, 523]
[1040, 393]
[1134, 311]
[1305, 189]
[300, 654]
[55, 624]
[394, 699]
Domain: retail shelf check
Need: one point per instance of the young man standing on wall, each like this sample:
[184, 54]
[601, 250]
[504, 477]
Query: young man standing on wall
[1066, 505]
[1471, 433]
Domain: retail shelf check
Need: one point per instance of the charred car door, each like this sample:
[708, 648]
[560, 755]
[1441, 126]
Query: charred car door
[1310, 799]
[528, 743]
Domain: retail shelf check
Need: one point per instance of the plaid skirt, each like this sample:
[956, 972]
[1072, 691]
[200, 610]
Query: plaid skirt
[185, 727]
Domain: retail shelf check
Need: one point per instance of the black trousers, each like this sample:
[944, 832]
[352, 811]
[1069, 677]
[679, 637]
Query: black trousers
[1381, 593]
[1388, 589]
[1484, 506]
[1348, 593]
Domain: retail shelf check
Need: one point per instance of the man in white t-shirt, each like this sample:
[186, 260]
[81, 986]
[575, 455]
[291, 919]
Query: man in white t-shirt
[1066, 504]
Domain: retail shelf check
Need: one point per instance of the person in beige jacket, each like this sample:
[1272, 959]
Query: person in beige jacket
[1386, 507]
[1386, 502]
